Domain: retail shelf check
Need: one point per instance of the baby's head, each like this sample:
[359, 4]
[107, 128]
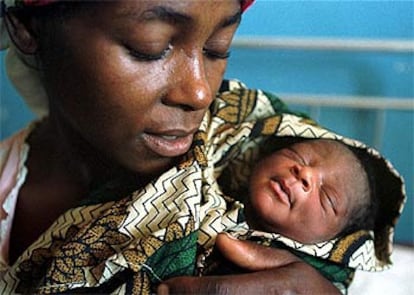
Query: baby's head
[310, 191]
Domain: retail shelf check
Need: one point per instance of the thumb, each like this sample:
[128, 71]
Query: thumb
[251, 256]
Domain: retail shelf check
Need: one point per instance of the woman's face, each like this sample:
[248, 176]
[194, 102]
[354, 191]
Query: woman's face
[135, 78]
[307, 191]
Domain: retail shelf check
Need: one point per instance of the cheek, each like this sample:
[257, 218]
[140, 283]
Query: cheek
[276, 162]
[214, 72]
[316, 227]
[108, 103]
[115, 84]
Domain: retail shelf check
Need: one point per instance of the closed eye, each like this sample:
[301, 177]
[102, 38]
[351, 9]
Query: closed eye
[146, 56]
[330, 200]
[216, 55]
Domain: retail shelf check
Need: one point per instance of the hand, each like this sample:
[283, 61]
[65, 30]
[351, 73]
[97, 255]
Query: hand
[274, 271]
[251, 256]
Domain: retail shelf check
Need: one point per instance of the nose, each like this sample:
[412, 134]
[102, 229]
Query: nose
[306, 176]
[189, 86]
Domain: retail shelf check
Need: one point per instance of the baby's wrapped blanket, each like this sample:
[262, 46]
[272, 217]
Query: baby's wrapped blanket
[128, 244]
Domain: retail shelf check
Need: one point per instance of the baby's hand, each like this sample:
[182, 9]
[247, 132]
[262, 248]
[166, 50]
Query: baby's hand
[273, 271]
[251, 256]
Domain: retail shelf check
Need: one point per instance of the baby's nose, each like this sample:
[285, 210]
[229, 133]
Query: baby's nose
[304, 175]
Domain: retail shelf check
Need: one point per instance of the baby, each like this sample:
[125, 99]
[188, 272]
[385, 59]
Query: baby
[309, 191]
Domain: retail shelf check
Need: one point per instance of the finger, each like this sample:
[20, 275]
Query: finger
[187, 285]
[295, 278]
[212, 285]
[252, 256]
[163, 290]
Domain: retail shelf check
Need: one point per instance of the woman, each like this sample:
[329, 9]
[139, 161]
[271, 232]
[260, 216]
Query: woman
[128, 84]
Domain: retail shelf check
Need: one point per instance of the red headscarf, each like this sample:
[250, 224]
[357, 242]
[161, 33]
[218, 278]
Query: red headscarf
[245, 4]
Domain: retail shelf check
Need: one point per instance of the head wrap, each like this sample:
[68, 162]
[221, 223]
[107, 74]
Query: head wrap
[245, 4]
[25, 79]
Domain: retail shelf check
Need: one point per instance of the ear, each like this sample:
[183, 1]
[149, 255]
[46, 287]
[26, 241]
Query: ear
[20, 34]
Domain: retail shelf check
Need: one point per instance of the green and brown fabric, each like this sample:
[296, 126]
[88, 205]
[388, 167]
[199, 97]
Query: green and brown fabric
[128, 244]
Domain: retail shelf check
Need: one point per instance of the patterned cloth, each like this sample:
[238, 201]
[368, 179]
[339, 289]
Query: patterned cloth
[129, 244]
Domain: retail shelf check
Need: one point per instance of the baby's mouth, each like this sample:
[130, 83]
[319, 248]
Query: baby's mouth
[281, 191]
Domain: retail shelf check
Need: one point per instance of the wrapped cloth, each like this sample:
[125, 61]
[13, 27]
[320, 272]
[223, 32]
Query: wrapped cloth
[129, 244]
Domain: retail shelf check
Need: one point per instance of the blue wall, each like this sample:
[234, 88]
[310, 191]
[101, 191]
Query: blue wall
[339, 73]
[374, 74]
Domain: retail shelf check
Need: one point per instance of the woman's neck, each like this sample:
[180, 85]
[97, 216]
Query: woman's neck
[58, 151]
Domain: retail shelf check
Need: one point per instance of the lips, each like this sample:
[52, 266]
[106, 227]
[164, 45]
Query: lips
[280, 191]
[170, 143]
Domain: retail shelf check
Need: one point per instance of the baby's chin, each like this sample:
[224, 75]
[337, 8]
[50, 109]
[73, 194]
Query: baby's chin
[297, 236]
[306, 239]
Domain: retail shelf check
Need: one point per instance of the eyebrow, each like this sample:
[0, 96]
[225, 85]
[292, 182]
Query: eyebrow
[170, 15]
[232, 20]
[165, 14]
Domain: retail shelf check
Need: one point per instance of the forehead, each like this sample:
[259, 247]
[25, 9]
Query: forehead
[325, 148]
[198, 17]
[193, 8]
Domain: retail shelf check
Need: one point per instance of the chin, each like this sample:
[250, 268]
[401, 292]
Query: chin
[151, 168]
[306, 240]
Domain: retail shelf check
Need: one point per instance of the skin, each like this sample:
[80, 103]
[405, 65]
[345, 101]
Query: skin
[137, 89]
[307, 191]
[149, 73]
[273, 271]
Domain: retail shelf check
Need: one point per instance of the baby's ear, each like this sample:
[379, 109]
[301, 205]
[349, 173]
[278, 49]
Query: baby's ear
[21, 35]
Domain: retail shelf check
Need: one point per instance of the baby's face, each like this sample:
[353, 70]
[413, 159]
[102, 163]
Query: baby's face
[305, 191]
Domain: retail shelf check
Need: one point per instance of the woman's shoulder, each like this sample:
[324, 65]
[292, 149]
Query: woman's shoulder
[13, 154]
[13, 143]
